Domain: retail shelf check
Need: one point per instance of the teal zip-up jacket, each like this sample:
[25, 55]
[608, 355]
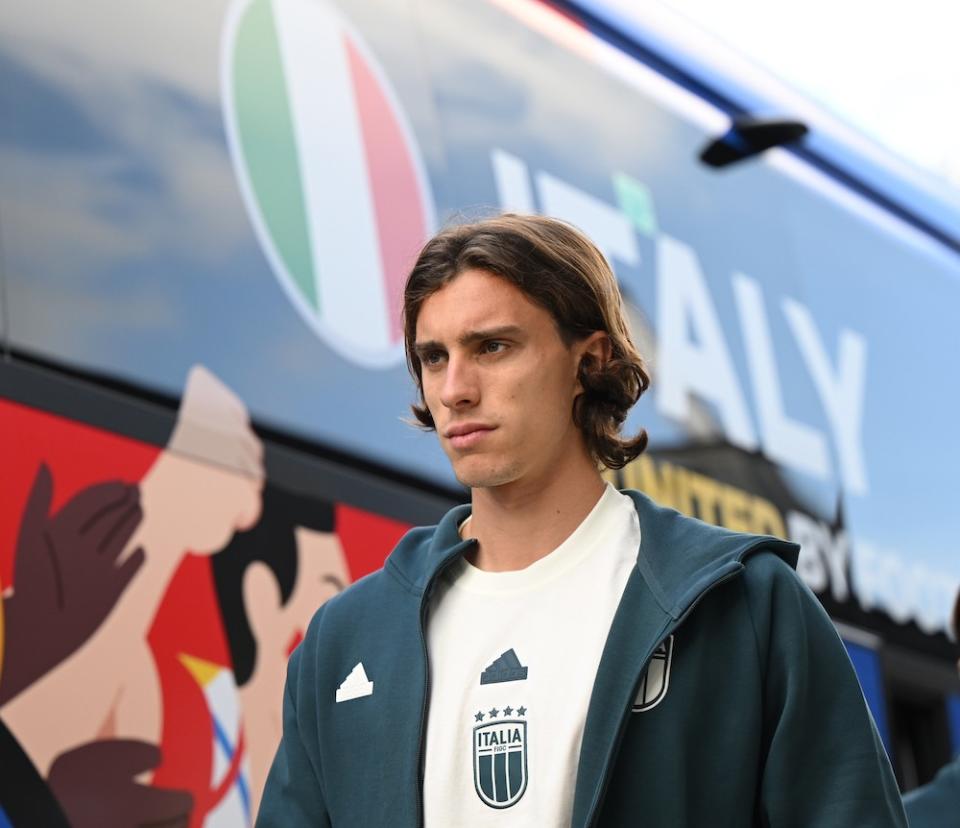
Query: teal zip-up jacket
[762, 723]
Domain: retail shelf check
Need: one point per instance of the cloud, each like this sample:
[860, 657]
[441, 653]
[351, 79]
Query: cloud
[39, 323]
[102, 42]
[161, 180]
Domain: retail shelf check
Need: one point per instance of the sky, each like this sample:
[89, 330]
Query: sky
[890, 69]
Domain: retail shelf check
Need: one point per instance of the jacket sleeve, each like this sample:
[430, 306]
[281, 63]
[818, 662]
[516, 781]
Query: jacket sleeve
[823, 762]
[293, 796]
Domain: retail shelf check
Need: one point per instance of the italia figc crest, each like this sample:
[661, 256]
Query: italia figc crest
[656, 680]
[500, 756]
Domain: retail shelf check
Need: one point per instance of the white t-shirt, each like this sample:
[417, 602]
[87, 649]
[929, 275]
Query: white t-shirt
[513, 658]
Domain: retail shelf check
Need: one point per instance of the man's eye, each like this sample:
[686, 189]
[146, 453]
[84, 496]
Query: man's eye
[432, 357]
[493, 347]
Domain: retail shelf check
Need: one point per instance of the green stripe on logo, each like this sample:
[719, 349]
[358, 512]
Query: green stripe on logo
[264, 126]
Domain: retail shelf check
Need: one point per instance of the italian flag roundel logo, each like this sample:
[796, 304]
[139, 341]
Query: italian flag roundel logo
[328, 168]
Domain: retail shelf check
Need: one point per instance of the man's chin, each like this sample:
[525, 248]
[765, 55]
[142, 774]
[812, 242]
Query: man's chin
[476, 475]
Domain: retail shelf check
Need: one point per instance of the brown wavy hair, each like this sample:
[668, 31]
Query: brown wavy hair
[561, 270]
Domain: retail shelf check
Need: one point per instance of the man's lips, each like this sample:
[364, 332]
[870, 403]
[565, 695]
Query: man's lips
[467, 435]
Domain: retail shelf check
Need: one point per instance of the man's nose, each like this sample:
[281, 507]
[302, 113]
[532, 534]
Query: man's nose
[460, 386]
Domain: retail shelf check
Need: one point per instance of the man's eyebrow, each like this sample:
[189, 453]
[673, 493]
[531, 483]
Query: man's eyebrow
[469, 338]
[421, 348]
[489, 333]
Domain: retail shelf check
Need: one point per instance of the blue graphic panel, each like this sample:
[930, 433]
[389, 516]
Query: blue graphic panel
[4, 820]
[174, 271]
[867, 664]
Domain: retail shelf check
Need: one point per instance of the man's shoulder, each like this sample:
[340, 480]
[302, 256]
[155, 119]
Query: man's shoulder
[668, 529]
[682, 555]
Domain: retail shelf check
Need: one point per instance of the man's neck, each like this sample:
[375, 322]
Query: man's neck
[521, 522]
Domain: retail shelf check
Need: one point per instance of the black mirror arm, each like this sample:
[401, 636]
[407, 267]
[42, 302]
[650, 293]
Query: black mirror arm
[750, 136]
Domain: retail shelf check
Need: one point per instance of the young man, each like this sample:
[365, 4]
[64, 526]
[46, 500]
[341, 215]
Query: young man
[558, 653]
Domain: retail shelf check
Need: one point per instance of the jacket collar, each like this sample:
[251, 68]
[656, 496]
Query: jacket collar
[678, 557]
[424, 551]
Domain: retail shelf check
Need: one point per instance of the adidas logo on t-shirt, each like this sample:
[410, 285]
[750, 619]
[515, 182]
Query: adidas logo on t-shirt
[505, 668]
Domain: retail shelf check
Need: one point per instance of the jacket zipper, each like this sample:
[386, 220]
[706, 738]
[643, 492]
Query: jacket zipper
[425, 706]
[625, 716]
[421, 754]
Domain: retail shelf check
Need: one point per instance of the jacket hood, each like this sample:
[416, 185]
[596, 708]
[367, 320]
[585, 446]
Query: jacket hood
[679, 556]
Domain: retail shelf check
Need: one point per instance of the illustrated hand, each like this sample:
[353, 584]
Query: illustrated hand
[95, 785]
[208, 482]
[66, 576]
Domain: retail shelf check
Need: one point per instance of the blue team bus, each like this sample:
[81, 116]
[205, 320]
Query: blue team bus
[207, 212]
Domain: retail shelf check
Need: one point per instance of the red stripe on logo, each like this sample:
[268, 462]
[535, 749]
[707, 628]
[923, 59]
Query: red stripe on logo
[398, 207]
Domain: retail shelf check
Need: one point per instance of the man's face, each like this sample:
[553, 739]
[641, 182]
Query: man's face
[498, 380]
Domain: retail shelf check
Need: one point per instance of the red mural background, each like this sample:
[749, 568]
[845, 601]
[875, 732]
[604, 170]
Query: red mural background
[188, 621]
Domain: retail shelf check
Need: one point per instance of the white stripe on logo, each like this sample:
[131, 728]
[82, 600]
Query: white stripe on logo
[336, 186]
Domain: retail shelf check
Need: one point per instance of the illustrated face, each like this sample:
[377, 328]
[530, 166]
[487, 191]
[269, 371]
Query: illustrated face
[498, 380]
[278, 627]
[321, 574]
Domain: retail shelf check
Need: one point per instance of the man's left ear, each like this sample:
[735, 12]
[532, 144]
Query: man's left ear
[595, 351]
